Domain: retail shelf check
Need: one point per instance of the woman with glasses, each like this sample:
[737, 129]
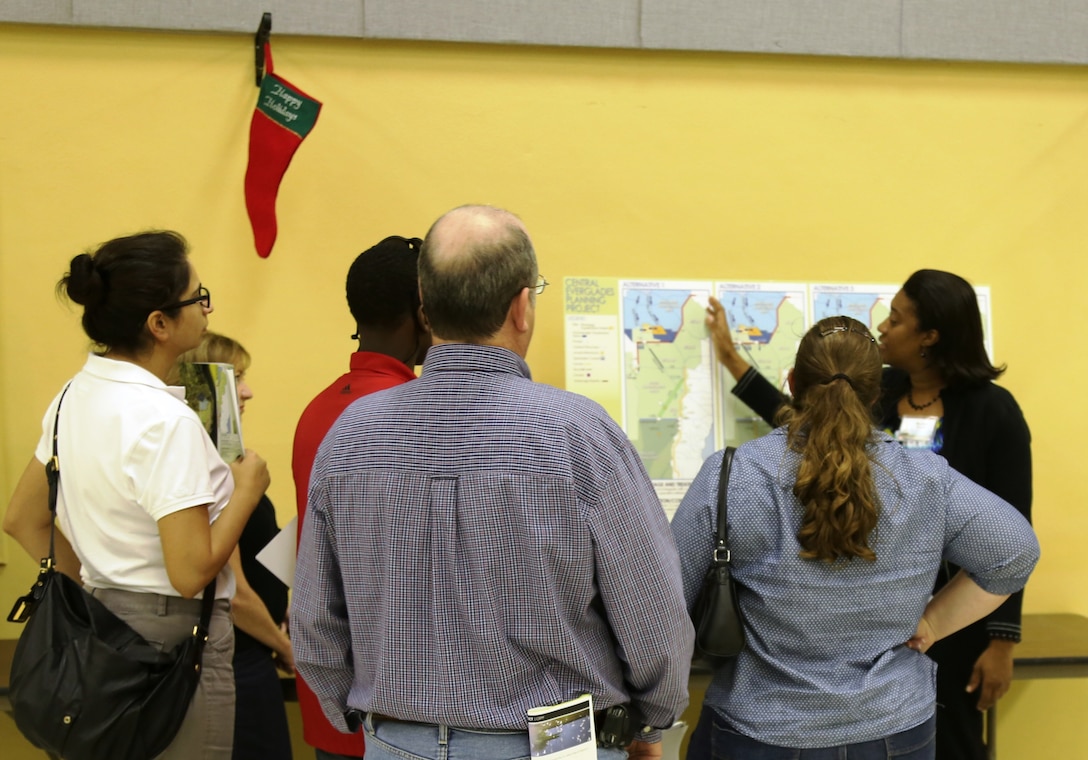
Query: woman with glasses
[147, 512]
[937, 393]
[837, 533]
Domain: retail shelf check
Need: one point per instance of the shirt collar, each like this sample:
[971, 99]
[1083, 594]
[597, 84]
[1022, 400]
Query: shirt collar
[119, 371]
[382, 364]
[471, 357]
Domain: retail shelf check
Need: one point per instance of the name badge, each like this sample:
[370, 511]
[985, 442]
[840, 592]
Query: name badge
[917, 432]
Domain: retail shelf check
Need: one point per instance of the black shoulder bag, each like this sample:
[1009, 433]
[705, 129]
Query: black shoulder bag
[719, 624]
[84, 685]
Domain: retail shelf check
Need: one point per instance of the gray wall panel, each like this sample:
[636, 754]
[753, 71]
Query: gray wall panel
[1033, 31]
[36, 11]
[827, 27]
[603, 23]
[315, 17]
[1045, 31]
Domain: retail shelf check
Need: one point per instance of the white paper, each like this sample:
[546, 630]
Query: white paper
[278, 555]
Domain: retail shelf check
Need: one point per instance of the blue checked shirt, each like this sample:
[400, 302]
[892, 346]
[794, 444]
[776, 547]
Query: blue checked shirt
[825, 662]
[477, 544]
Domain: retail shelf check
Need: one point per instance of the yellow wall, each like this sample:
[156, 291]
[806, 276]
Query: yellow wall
[644, 164]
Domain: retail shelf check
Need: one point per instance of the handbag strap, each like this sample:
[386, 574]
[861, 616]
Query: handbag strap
[52, 474]
[721, 542]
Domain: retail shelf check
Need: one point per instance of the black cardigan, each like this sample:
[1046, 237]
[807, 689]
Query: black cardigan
[985, 438]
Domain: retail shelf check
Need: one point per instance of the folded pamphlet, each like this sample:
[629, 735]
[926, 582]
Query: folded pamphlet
[564, 730]
[212, 392]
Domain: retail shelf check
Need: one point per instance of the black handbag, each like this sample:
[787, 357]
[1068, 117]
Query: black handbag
[719, 624]
[84, 685]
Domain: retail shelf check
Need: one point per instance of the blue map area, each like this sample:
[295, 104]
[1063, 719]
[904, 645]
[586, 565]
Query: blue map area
[661, 310]
[860, 306]
[753, 314]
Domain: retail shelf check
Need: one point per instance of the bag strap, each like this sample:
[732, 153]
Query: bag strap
[52, 474]
[721, 543]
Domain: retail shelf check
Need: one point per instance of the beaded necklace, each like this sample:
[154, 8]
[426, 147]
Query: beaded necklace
[920, 407]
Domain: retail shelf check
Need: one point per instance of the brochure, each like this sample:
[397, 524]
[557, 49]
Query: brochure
[564, 730]
[211, 392]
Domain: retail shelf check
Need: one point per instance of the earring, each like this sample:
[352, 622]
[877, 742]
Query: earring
[922, 353]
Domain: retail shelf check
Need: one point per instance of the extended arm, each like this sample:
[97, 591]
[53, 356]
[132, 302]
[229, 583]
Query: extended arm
[29, 520]
[195, 551]
[1008, 474]
[252, 616]
[718, 326]
[751, 388]
[958, 604]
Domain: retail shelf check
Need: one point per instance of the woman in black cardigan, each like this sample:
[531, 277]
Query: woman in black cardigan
[940, 381]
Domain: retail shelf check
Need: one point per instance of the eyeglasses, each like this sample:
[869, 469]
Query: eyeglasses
[204, 299]
[541, 283]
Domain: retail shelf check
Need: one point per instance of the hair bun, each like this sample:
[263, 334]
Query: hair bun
[85, 285]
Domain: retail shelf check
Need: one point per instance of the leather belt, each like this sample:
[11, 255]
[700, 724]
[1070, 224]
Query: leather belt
[379, 718]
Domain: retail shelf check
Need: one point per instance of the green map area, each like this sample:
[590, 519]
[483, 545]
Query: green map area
[766, 326]
[668, 404]
[640, 348]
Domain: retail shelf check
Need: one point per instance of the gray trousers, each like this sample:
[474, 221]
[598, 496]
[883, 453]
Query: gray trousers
[165, 621]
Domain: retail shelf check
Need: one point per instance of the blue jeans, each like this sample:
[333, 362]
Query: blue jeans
[714, 739]
[396, 740]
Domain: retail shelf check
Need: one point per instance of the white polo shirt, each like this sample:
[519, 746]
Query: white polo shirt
[131, 452]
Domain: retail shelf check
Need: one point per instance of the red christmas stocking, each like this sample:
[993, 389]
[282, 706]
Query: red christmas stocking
[281, 121]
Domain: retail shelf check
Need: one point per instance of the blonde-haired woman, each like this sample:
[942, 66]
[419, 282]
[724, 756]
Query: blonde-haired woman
[837, 533]
[259, 605]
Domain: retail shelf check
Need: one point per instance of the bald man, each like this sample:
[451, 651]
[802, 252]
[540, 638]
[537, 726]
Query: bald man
[478, 544]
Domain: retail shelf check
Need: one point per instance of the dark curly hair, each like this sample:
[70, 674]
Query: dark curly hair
[125, 280]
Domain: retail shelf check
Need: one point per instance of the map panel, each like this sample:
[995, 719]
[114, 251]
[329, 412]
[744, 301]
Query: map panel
[868, 304]
[592, 345]
[640, 348]
[668, 398]
[767, 320]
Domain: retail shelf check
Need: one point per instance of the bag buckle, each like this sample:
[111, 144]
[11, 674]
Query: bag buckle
[20, 612]
[24, 605]
[718, 559]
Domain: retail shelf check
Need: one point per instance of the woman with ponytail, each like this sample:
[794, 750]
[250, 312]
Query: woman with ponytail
[938, 392]
[837, 533]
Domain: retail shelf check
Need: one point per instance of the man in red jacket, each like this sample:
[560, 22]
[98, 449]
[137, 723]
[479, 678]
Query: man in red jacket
[383, 296]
